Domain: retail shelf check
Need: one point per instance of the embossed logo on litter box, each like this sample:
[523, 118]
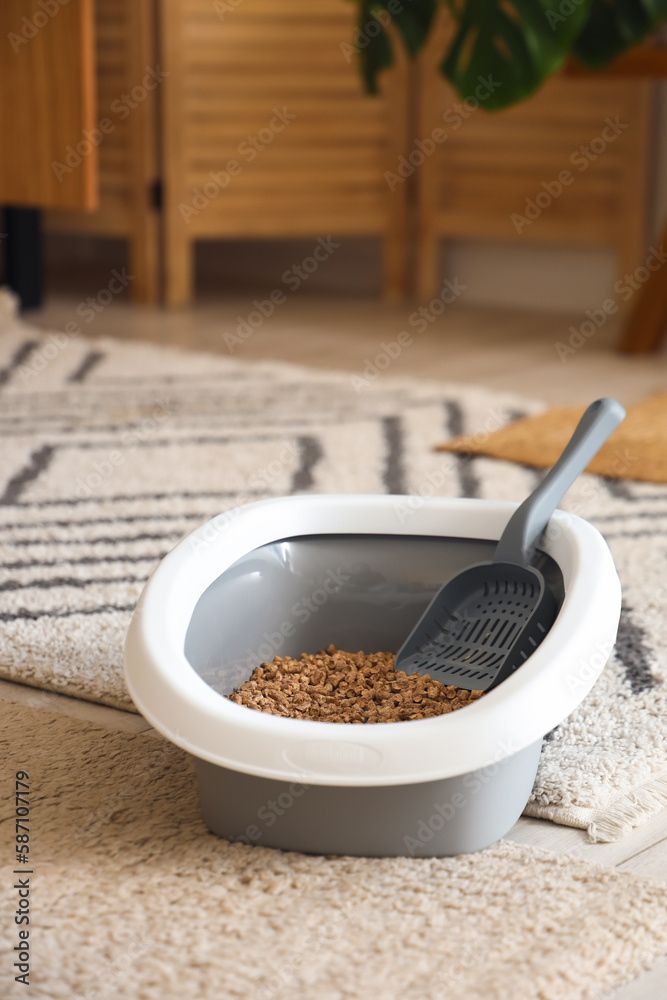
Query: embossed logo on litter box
[331, 757]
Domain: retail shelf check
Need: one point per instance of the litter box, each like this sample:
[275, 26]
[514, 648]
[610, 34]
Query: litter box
[294, 574]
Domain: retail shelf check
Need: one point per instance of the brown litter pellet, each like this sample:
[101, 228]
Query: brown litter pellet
[334, 686]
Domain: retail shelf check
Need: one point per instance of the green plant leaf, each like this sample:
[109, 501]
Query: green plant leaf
[375, 56]
[412, 19]
[614, 26]
[504, 50]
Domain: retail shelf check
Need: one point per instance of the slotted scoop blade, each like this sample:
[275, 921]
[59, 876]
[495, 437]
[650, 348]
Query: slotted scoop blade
[488, 620]
[502, 613]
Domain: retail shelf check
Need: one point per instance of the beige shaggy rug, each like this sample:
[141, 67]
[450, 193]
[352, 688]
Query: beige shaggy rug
[112, 451]
[131, 897]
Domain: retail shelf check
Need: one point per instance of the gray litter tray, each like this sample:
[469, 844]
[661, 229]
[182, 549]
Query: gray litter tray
[426, 788]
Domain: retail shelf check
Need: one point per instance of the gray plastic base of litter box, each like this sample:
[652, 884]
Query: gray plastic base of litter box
[431, 819]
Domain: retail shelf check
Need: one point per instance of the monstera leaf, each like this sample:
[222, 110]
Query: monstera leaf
[614, 26]
[503, 50]
[411, 19]
[517, 43]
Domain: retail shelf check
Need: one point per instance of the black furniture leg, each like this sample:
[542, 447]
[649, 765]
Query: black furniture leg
[22, 239]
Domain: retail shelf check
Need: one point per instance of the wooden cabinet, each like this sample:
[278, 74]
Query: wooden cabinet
[47, 101]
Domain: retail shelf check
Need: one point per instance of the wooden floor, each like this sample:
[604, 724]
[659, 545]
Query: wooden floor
[505, 350]
[501, 349]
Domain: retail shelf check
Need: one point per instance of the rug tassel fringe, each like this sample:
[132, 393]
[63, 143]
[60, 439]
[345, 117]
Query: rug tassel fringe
[630, 810]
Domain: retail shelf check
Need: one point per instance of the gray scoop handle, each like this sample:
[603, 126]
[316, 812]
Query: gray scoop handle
[518, 540]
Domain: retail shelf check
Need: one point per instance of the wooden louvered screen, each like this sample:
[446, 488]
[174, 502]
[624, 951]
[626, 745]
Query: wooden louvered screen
[126, 53]
[232, 62]
[231, 66]
[489, 164]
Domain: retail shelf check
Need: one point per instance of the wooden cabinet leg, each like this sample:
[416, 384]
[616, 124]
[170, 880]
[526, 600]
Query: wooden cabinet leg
[394, 266]
[178, 268]
[143, 259]
[646, 323]
[23, 254]
[428, 252]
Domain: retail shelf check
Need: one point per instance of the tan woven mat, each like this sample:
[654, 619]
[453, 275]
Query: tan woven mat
[637, 450]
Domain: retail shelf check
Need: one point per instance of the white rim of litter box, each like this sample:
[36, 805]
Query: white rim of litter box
[185, 709]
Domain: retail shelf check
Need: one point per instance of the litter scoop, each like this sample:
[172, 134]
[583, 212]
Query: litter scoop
[488, 620]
